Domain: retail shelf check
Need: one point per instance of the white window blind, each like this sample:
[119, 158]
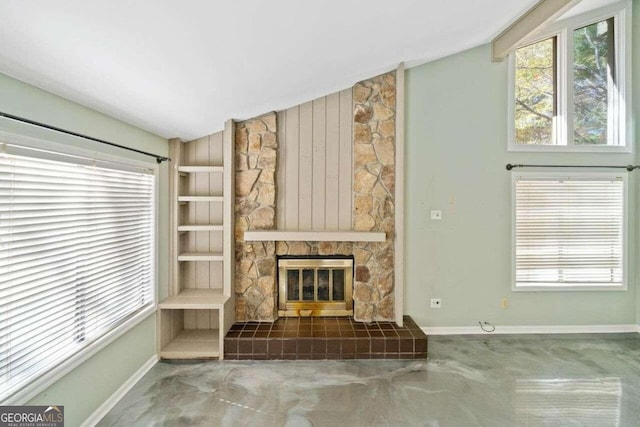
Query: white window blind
[569, 231]
[76, 256]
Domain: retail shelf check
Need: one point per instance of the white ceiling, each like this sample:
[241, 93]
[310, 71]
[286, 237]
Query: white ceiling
[181, 68]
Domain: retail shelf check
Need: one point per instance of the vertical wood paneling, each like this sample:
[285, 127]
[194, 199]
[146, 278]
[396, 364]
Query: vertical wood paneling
[203, 243]
[200, 274]
[332, 175]
[188, 279]
[291, 169]
[319, 164]
[305, 161]
[346, 164]
[206, 151]
[190, 319]
[215, 238]
[215, 157]
[216, 153]
[315, 164]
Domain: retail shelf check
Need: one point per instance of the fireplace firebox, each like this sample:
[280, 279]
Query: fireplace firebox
[311, 286]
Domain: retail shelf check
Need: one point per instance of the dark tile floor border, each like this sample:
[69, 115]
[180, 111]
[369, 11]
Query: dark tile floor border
[322, 338]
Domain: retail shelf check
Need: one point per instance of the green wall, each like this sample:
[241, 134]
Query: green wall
[456, 144]
[636, 112]
[84, 389]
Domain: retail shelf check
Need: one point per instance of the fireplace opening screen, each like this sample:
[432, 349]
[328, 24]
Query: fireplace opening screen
[315, 287]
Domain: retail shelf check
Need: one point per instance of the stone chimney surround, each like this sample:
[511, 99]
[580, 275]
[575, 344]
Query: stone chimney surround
[371, 241]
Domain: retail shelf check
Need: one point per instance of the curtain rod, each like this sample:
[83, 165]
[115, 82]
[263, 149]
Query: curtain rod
[159, 158]
[630, 168]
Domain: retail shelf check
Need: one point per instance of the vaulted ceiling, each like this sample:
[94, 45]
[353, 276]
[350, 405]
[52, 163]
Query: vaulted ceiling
[181, 68]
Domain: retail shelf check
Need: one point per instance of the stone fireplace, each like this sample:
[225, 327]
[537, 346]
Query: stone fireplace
[371, 109]
[317, 286]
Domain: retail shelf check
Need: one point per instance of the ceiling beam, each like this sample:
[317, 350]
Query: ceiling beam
[541, 13]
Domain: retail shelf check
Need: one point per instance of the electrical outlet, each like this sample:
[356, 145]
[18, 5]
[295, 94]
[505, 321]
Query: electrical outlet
[436, 303]
[436, 215]
[504, 303]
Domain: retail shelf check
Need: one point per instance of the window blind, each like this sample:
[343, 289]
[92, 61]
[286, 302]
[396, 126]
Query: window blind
[76, 256]
[569, 231]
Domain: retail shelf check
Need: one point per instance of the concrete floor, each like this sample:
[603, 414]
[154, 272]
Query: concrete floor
[560, 380]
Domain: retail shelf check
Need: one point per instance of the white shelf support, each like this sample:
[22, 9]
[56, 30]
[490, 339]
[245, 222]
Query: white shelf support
[200, 256]
[228, 235]
[399, 200]
[195, 299]
[208, 227]
[200, 169]
[200, 199]
[175, 152]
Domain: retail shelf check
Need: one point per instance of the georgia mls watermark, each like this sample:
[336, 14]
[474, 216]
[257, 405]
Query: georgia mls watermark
[31, 416]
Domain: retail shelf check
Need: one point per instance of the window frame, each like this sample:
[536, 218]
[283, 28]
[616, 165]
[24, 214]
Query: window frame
[625, 229]
[71, 146]
[563, 30]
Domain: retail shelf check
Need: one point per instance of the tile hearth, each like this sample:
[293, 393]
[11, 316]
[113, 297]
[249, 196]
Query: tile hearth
[333, 338]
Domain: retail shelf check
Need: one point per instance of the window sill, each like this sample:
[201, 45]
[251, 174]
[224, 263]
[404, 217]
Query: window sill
[610, 149]
[38, 385]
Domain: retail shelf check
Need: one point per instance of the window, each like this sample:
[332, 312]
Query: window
[569, 231]
[535, 98]
[568, 90]
[76, 256]
[594, 83]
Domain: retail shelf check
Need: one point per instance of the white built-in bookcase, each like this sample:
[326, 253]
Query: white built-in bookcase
[200, 306]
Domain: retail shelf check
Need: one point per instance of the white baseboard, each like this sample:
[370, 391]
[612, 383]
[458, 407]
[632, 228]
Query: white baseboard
[543, 329]
[103, 409]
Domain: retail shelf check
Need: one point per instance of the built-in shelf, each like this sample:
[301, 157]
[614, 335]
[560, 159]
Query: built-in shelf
[200, 169]
[195, 299]
[314, 236]
[193, 344]
[211, 227]
[200, 308]
[200, 256]
[183, 199]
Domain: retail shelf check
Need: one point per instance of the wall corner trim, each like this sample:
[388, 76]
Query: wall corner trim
[538, 329]
[399, 257]
[108, 404]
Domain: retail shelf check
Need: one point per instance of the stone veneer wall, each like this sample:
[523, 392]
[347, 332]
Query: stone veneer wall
[374, 208]
[255, 209]
[374, 131]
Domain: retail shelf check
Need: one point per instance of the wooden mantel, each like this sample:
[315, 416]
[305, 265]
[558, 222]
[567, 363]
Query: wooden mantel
[314, 236]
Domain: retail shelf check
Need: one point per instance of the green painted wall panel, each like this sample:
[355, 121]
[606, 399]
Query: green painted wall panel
[636, 117]
[89, 385]
[456, 137]
[84, 389]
